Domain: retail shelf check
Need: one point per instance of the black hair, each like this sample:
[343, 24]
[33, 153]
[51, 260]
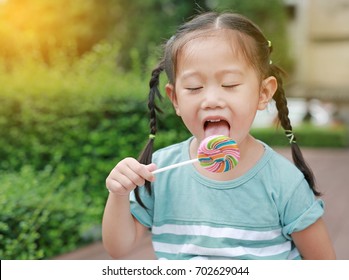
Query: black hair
[154, 93]
[256, 49]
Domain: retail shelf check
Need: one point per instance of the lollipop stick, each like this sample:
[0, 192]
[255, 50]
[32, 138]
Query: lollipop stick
[175, 165]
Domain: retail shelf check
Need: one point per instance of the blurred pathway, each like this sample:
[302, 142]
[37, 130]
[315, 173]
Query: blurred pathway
[331, 169]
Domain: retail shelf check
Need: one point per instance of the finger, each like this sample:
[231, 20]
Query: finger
[127, 177]
[151, 167]
[128, 174]
[122, 186]
[138, 173]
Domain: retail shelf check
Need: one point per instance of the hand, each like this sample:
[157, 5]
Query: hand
[127, 175]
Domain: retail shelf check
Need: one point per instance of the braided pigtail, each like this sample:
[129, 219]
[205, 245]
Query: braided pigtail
[281, 105]
[154, 93]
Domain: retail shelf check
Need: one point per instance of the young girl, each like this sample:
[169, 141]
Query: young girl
[219, 74]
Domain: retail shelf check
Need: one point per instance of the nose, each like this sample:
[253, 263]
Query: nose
[212, 99]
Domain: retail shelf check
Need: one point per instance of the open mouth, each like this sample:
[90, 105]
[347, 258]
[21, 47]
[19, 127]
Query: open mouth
[216, 127]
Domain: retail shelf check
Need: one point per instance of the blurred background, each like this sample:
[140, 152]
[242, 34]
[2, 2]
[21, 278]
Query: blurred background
[73, 96]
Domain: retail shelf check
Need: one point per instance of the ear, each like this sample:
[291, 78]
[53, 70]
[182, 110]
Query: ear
[170, 91]
[267, 90]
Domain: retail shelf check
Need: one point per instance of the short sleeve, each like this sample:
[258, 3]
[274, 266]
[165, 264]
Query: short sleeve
[144, 216]
[301, 210]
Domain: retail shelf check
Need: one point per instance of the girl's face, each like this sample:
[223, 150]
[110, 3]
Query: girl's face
[216, 91]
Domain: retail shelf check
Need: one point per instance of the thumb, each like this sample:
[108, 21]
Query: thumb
[151, 167]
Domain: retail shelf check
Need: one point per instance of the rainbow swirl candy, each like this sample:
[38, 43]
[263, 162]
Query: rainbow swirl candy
[218, 153]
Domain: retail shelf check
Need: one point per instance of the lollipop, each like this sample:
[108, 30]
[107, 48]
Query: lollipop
[217, 153]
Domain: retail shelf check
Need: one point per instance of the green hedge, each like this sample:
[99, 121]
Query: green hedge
[81, 148]
[42, 215]
[87, 142]
[307, 136]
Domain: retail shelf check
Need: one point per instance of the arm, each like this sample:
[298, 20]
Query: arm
[314, 242]
[121, 232]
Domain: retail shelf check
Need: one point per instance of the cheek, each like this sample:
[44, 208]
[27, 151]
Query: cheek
[178, 112]
[185, 104]
[245, 113]
[187, 111]
[246, 107]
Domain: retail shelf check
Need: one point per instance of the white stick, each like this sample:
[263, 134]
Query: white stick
[175, 165]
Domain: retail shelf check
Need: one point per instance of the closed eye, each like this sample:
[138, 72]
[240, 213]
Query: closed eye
[230, 86]
[194, 88]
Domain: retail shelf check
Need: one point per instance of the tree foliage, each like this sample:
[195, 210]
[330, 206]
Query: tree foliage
[45, 27]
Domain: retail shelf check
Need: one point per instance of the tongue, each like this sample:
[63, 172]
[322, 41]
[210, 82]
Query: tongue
[217, 128]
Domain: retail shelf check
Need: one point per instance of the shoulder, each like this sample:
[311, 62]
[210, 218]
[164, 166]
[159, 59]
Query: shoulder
[287, 185]
[282, 166]
[281, 173]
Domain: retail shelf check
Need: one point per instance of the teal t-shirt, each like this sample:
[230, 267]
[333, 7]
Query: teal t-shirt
[251, 217]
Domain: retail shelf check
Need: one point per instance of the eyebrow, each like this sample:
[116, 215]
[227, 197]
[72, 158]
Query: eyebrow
[234, 71]
[189, 74]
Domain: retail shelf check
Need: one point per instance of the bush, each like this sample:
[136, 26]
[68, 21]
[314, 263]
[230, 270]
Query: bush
[307, 136]
[41, 215]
